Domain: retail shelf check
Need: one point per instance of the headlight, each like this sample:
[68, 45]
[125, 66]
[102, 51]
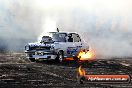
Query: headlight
[52, 48]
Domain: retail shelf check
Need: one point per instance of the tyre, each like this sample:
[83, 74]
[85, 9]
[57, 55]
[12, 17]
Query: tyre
[76, 59]
[32, 59]
[60, 57]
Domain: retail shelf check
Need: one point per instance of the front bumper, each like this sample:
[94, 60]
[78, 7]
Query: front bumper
[43, 54]
[44, 57]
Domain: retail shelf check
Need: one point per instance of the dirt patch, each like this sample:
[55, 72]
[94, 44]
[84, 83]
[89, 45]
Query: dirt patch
[16, 71]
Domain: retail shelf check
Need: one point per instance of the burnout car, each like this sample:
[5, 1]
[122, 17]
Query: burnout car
[56, 46]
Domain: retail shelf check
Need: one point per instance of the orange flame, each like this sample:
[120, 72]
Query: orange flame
[89, 55]
[81, 71]
[69, 59]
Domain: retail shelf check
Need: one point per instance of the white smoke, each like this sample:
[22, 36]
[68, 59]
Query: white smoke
[104, 24]
[49, 26]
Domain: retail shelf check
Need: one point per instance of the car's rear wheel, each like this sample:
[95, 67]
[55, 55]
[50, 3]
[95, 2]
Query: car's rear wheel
[76, 58]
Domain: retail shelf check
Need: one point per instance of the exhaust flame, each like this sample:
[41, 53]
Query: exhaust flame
[89, 55]
[81, 71]
[69, 59]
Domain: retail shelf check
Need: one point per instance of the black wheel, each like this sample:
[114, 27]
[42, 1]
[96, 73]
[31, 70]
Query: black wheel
[60, 57]
[32, 59]
[76, 58]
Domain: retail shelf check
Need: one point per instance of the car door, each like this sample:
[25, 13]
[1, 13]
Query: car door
[73, 44]
[70, 46]
[77, 42]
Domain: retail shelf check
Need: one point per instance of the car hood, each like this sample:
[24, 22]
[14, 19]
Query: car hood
[40, 44]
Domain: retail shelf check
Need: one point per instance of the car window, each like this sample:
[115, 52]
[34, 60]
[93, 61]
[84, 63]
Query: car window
[76, 38]
[70, 38]
[59, 37]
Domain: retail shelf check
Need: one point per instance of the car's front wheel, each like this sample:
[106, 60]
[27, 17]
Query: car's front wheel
[29, 56]
[60, 57]
[32, 59]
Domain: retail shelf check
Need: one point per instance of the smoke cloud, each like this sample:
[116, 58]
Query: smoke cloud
[104, 24]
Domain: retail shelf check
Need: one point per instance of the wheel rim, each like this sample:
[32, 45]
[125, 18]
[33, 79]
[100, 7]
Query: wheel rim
[60, 58]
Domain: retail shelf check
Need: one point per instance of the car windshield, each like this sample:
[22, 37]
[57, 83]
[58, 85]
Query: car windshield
[58, 37]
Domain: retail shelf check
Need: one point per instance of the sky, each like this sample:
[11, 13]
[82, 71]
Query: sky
[104, 24]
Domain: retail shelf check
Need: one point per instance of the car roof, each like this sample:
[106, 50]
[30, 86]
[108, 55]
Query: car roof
[64, 32]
